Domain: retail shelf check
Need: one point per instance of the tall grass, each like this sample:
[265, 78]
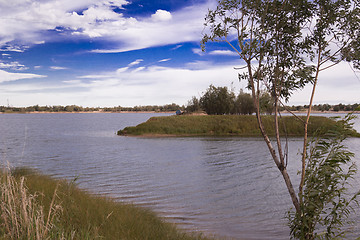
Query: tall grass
[21, 215]
[80, 216]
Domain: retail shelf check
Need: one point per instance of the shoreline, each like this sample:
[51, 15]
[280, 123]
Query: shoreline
[78, 212]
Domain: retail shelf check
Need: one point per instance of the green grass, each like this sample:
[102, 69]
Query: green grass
[225, 125]
[85, 216]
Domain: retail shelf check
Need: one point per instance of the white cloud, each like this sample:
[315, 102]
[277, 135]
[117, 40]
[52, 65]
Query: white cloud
[161, 15]
[11, 48]
[338, 84]
[7, 76]
[223, 53]
[186, 25]
[121, 70]
[13, 66]
[57, 68]
[93, 76]
[136, 62]
[138, 69]
[142, 86]
[177, 46]
[198, 65]
[198, 51]
[73, 81]
[28, 21]
[160, 85]
[164, 60]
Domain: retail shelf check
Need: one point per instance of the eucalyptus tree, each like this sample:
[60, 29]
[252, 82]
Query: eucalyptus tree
[285, 45]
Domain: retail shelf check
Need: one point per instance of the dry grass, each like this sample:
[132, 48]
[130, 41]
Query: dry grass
[21, 215]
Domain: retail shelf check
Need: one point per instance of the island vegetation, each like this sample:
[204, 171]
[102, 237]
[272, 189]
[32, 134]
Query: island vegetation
[222, 100]
[35, 206]
[227, 125]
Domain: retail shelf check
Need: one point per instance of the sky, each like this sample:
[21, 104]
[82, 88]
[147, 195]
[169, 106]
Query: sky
[105, 53]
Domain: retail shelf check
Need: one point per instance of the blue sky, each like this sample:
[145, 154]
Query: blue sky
[110, 53]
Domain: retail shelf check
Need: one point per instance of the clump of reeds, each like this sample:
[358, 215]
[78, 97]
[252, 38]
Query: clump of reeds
[22, 217]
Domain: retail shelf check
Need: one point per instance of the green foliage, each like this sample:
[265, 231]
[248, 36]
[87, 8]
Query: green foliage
[193, 105]
[217, 101]
[244, 104]
[266, 103]
[325, 203]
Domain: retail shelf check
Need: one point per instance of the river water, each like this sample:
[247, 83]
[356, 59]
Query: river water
[227, 187]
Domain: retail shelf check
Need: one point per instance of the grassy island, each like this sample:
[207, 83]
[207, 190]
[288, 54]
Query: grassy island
[226, 125]
[34, 206]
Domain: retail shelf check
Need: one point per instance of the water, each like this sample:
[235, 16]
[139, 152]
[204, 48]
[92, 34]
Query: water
[228, 187]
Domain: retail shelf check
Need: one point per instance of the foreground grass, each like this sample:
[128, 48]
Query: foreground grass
[226, 125]
[62, 211]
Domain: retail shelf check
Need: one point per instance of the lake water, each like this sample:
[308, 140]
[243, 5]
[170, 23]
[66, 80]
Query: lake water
[228, 187]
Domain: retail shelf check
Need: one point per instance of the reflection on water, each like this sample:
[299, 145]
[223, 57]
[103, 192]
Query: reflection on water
[224, 186]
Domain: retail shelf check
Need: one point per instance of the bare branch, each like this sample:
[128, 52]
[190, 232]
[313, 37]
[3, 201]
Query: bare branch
[289, 111]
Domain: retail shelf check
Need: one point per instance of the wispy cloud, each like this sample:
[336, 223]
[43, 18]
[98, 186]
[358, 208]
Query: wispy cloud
[138, 69]
[157, 84]
[136, 62]
[177, 46]
[164, 60]
[198, 51]
[7, 76]
[223, 53]
[57, 68]
[13, 66]
[11, 48]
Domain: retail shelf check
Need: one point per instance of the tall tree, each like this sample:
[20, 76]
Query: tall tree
[217, 100]
[244, 103]
[285, 45]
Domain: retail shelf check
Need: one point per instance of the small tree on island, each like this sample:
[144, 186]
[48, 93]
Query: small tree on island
[285, 45]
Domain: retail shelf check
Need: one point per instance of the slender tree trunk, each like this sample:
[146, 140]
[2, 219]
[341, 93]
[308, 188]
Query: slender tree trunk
[303, 159]
[272, 150]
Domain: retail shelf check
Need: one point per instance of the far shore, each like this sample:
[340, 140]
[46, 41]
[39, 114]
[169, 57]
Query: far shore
[47, 112]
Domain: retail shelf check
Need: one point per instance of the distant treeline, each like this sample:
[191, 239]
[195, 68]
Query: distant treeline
[73, 108]
[328, 107]
[226, 103]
